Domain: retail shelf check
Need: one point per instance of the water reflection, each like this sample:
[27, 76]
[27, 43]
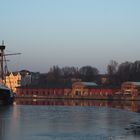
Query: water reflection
[67, 120]
[9, 122]
[127, 105]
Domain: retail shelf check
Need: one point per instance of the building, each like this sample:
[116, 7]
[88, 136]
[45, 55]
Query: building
[104, 79]
[13, 80]
[29, 78]
[48, 90]
[25, 77]
[35, 78]
[131, 88]
[91, 90]
[78, 90]
[82, 88]
[26, 80]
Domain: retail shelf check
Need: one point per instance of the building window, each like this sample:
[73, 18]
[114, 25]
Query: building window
[18, 82]
[43, 92]
[77, 92]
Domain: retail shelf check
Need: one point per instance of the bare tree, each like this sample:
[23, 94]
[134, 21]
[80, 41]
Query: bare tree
[88, 73]
[112, 67]
[112, 70]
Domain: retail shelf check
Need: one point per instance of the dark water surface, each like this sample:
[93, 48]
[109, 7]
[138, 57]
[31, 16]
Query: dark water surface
[68, 120]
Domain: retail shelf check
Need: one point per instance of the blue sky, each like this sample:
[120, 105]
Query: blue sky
[70, 32]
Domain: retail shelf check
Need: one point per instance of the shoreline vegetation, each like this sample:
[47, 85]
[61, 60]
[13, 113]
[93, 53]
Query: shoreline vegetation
[116, 74]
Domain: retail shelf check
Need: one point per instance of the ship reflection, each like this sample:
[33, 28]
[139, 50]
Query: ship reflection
[127, 105]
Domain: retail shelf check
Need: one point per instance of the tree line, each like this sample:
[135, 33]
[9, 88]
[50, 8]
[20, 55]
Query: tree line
[126, 71]
[116, 74]
[68, 74]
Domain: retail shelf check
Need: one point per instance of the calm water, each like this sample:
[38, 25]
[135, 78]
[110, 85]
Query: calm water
[68, 120]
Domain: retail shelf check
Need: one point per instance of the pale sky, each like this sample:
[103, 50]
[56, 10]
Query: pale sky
[70, 32]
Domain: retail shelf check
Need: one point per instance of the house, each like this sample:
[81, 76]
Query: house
[29, 78]
[13, 80]
[25, 77]
[131, 88]
[92, 90]
[82, 88]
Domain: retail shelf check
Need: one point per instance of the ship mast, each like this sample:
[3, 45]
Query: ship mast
[3, 60]
[2, 48]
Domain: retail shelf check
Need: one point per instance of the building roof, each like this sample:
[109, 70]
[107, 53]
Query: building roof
[59, 86]
[85, 84]
[105, 87]
[134, 83]
[24, 71]
[13, 73]
[89, 84]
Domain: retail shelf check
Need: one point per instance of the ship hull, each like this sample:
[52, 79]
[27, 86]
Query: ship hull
[6, 97]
